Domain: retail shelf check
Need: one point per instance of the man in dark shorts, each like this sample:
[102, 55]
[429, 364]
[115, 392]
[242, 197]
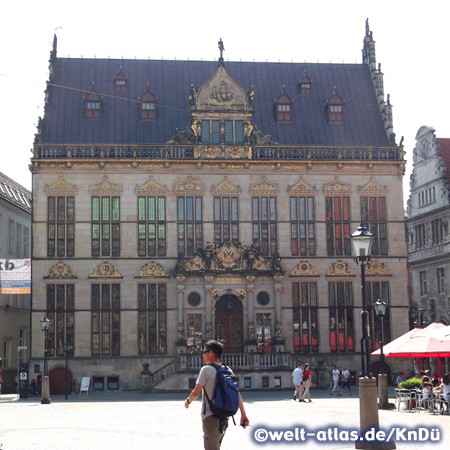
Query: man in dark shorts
[345, 377]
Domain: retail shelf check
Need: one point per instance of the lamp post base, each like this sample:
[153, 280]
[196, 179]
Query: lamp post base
[368, 415]
[383, 398]
[45, 396]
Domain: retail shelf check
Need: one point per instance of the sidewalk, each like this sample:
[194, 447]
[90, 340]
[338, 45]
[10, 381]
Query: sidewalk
[124, 420]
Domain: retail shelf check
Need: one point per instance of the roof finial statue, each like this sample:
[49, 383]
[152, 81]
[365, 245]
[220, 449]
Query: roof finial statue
[221, 48]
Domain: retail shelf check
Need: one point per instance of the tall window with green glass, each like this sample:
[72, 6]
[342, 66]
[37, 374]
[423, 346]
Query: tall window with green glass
[60, 226]
[190, 226]
[105, 226]
[151, 226]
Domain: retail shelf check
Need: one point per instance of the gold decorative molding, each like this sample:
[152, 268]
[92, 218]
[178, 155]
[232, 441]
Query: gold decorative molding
[264, 187]
[61, 187]
[60, 270]
[228, 259]
[105, 187]
[377, 268]
[304, 269]
[226, 187]
[152, 270]
[189, 187]
[105, 270]
[151, 187]
[339, 269]
[221, 94]
[337, 187]
[301, 187]
[372, 188]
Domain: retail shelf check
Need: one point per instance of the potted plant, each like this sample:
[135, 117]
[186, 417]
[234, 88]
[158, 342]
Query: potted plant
[411, 384]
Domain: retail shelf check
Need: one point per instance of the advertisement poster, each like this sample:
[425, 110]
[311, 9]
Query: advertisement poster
[15, 276]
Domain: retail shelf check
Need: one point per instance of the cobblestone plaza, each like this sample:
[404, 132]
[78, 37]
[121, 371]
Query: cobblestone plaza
[124, 420]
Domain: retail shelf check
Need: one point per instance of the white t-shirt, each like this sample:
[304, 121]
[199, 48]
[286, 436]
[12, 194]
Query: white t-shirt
[336, 374]
[297, 376]
[345, 374]
[207, 379]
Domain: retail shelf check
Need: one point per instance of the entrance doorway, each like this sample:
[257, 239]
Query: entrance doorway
[58, 381]
[229, 323]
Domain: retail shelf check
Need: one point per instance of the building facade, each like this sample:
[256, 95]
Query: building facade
[15, 243]
[219, 204]
[428, 220]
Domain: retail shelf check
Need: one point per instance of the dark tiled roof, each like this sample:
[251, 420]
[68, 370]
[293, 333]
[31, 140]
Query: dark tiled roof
[170, 81]
[445, 154]
[14, 193]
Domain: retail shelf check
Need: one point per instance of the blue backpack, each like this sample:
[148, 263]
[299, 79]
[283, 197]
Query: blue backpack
[225, 399]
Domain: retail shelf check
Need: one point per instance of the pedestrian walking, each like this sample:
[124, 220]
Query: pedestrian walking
[297, 382]
[335, 377]
[345, 377]
[307, 383]
[213, 427]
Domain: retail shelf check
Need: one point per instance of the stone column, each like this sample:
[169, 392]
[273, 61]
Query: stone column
[250, 309]
[278, 341]
[181, 341]
[277, 289]
[208, 300]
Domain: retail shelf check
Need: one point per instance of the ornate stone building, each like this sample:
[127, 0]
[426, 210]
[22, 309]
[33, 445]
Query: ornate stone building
[428, 228]
[178, 201]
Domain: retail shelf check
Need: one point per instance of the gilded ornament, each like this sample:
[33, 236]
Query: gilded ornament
[337, 187]
[304, 269]
[61, 187]
[105, 270]
[105, 186]
[152, 269]
[377, 268]
[60, 270]
[340, 268]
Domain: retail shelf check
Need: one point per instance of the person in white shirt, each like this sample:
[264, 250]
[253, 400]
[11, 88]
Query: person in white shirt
[335, 376]
[297, 382]
[345, 377]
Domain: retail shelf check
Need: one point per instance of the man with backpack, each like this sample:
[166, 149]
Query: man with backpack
[220, 398]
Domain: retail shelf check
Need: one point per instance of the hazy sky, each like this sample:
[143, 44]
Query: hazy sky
[412, 42]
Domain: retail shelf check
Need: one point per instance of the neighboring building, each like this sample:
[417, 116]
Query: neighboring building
[428, 228]
[218, 205]
[15, 243]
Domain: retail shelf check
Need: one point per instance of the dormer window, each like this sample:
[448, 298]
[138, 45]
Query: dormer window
[283, 106]
[93, 105]
[335, 106]
[120, 81]
[305, 85]
[147, 105]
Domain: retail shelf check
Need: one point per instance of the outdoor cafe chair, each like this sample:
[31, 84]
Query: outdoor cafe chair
[406, 397]
[444, 404]
[428, 404]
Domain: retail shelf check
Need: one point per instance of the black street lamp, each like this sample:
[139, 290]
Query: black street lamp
[45, 324]
[67, 348]
[368, 405]
[45, 390]
[362, 244]
[380, 309]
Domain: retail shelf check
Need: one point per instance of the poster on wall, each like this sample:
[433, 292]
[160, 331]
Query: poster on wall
[15, 276]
